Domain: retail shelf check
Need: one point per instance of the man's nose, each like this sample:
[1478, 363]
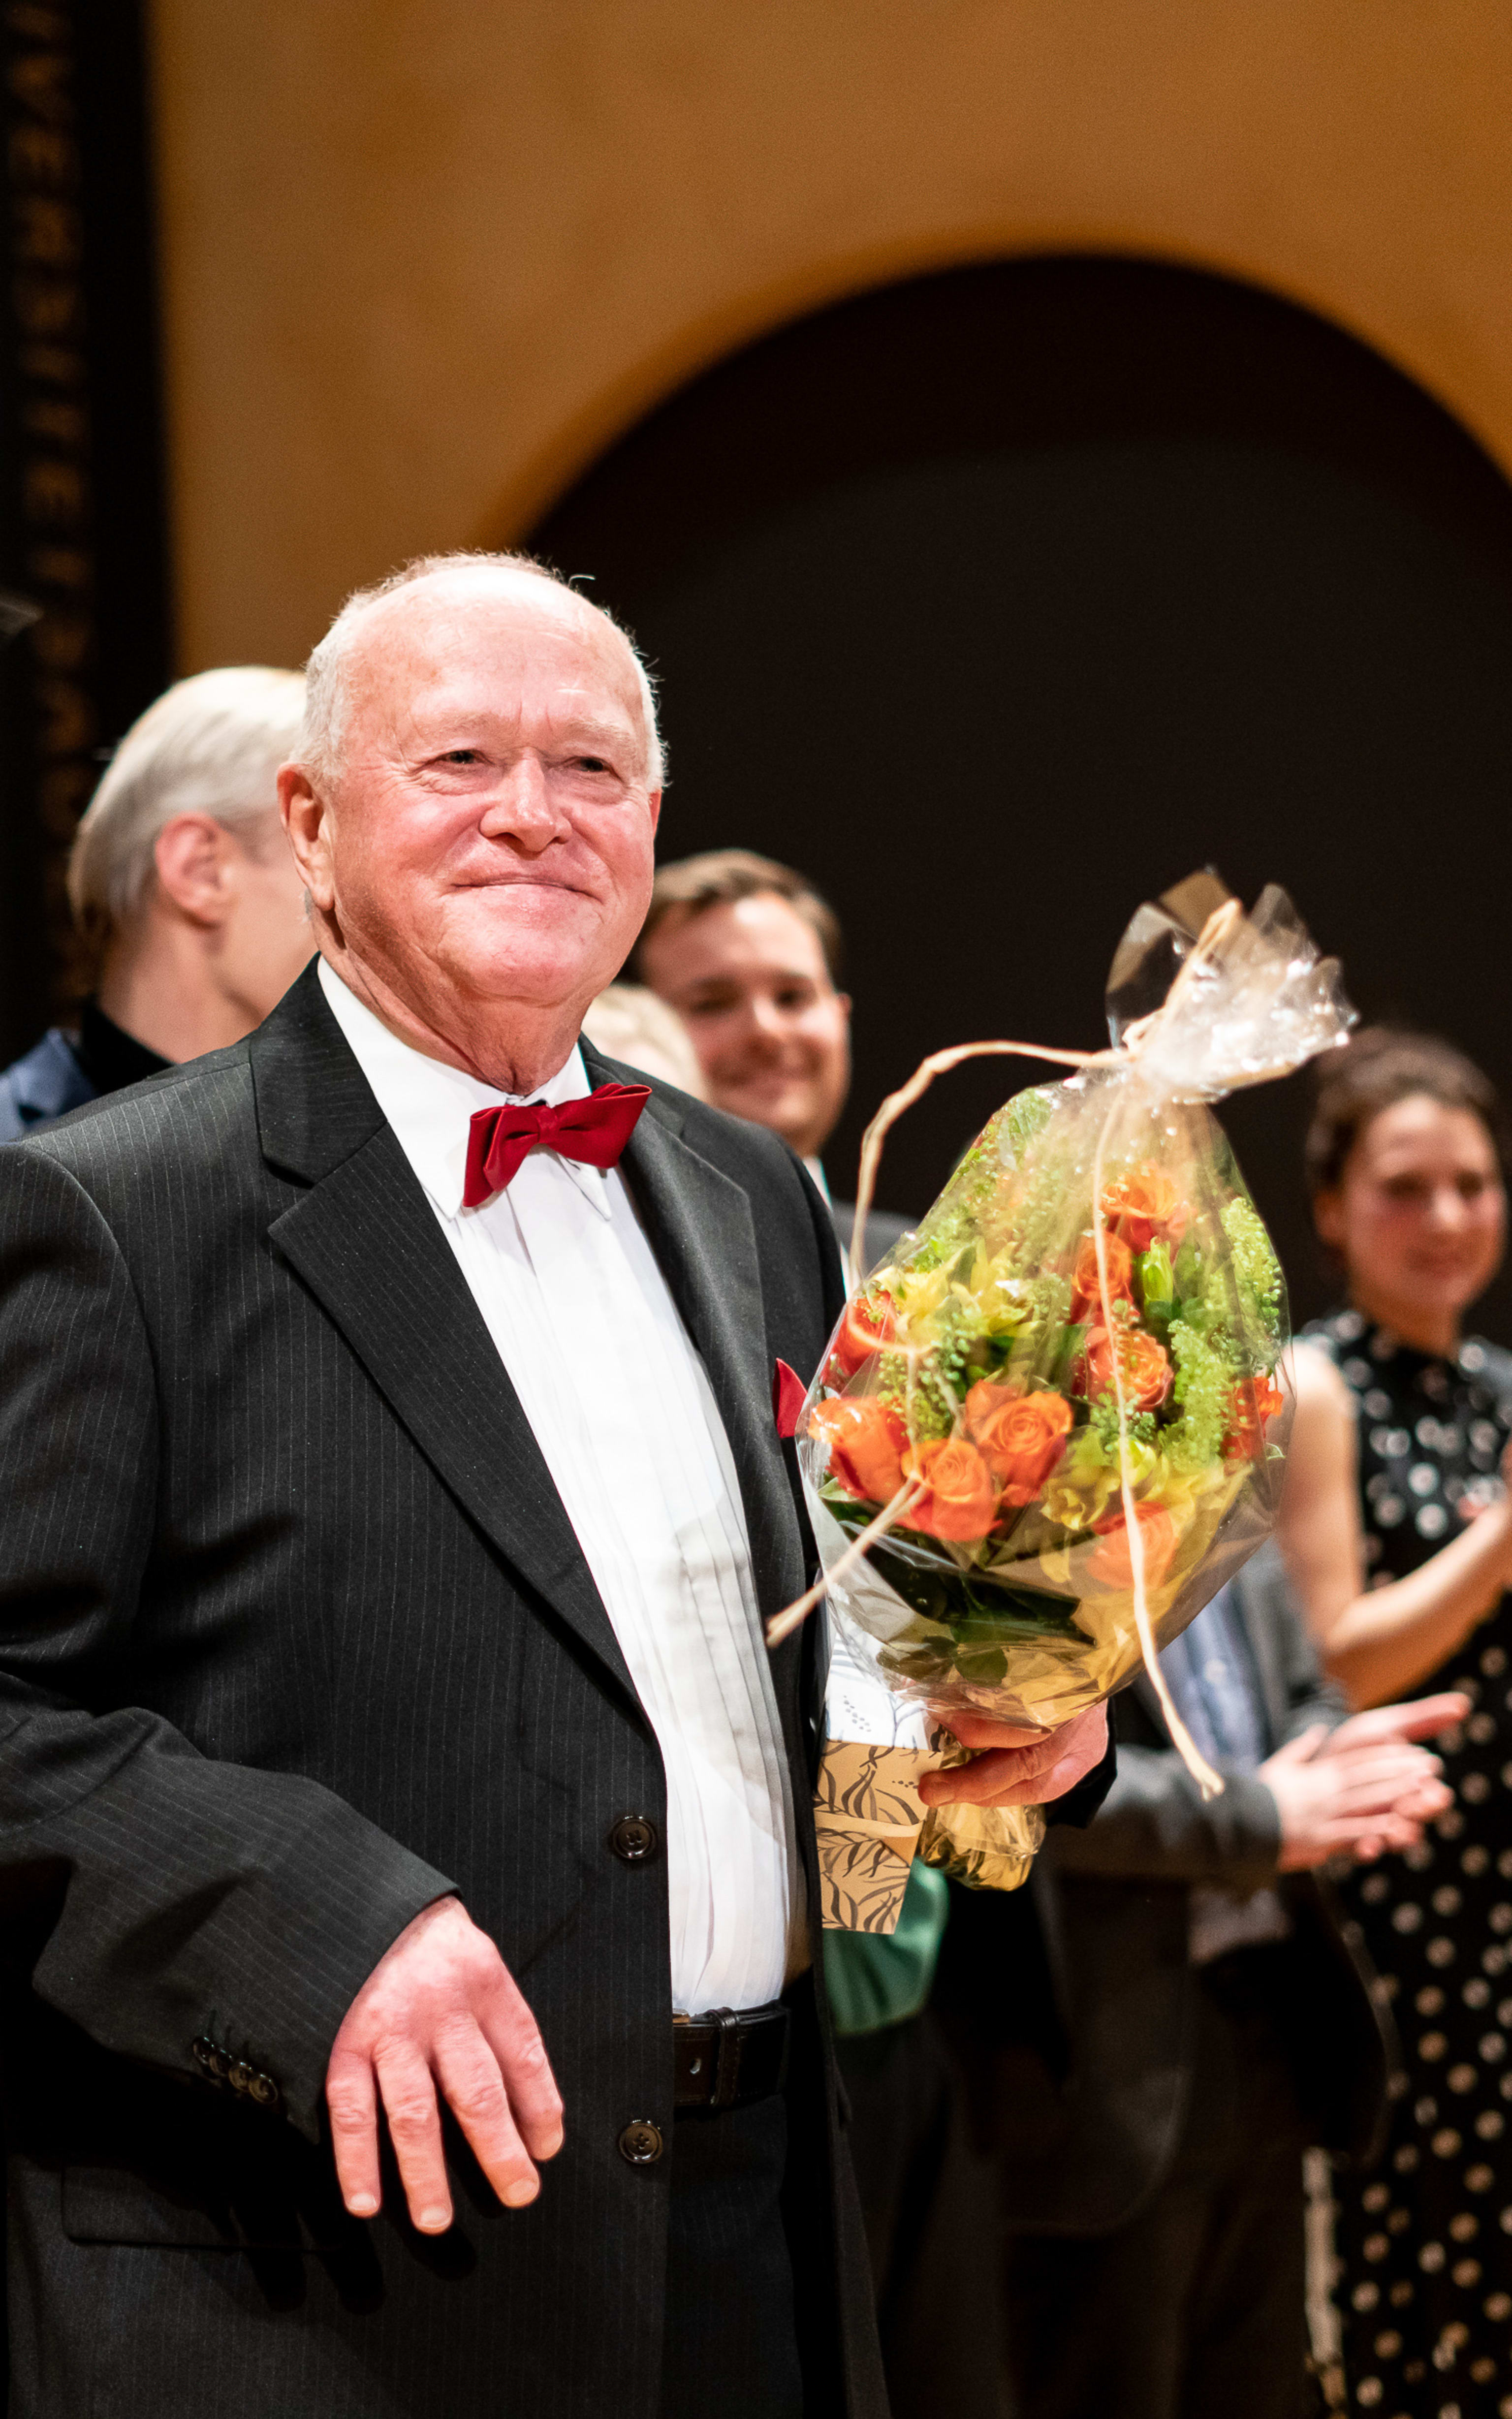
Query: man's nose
[1446, 1207]
[522, 806]
[764, 1018]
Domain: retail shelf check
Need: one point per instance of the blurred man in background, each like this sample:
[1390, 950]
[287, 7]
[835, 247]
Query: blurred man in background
[749, 954]
[184, 890]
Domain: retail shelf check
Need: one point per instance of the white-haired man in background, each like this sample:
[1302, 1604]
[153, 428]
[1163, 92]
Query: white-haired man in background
[184, 893]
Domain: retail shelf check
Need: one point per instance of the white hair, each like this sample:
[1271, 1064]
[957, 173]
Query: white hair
[210, 744]
[326, 673]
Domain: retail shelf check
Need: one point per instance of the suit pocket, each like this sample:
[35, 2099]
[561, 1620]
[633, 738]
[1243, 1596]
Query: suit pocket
[110, 2205]
[121, 2206]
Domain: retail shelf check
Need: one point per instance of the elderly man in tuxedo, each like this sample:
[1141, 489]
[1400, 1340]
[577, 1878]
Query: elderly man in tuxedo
[405, 1837]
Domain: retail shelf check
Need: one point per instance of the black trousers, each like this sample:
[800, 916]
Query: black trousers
[1193, 2310]
[730, 2349]
[929, 2203]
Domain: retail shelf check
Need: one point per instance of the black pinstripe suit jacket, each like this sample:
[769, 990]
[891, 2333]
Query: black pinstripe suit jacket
[294, 1636]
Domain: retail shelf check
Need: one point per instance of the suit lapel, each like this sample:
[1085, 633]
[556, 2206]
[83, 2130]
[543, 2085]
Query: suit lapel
[367, 1242]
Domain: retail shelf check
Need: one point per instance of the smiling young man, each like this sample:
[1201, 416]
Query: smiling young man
[407, 1834]
[749, 954]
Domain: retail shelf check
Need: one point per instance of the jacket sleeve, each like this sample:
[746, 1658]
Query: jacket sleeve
[183, 1895]
[1153, 1826]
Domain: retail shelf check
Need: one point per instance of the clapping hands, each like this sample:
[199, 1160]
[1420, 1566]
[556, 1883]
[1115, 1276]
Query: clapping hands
[1362, 1788]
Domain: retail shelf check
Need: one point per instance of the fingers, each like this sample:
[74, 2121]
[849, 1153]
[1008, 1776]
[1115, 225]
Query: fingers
[989, 1774]
[1381, 1794]
[1393, 1765]
[352, 2100]
[980, 1730]
[1026, 1775]
[1423, 1718]
[415, 2130]
[514, 2039]
[468, 2072]
[440, 2007]
[1082, 1745]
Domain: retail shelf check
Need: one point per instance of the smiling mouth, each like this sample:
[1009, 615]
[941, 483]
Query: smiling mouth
[525, 881]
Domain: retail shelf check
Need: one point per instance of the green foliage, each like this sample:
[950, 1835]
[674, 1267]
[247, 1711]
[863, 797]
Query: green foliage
[1204, 1383]
[927, 1410]
[1027, 1114]
[1257, 1270]
[1104, 1421]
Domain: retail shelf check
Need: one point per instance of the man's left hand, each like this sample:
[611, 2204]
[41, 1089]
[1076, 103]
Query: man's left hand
[1015, 1766]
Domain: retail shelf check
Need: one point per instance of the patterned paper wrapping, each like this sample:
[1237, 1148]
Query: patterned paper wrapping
[867, 1812]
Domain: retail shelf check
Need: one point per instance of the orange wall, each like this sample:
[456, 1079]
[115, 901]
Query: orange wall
[424, 257]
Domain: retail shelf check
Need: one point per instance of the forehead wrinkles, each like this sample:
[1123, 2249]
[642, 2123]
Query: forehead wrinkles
[507, 653]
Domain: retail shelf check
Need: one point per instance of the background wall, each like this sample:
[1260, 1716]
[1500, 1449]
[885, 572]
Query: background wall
[424, 257]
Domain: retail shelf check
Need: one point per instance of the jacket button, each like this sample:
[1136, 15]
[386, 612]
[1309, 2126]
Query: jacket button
[641, 2143]
[633, 1838]
[262, 2089]
[240, 2075]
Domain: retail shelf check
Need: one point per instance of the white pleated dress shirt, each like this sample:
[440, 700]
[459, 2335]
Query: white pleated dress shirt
[626, 1418]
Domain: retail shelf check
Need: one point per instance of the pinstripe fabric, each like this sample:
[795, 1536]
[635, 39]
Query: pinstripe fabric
[294, 1634]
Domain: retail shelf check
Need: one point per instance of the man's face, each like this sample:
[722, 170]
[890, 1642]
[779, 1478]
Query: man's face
[771, 1031]
[487, 842]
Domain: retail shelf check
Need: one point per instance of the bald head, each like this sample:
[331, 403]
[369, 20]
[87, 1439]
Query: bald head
[473, 809]
[424, 587]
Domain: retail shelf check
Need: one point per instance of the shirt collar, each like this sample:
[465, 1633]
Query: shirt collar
[816, 1169]
[431, 1106]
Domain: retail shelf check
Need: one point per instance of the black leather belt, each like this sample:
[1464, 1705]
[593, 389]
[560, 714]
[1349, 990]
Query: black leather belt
[726, 2060]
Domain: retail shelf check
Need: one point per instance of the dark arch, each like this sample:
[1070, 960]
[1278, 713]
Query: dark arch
[999, 598]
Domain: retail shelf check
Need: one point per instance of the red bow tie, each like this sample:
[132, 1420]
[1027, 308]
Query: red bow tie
[594, 1129]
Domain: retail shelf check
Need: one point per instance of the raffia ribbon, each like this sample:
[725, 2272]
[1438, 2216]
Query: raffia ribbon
[1214, 935]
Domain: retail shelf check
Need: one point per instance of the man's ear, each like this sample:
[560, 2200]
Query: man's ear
[191, 855]
[305, 815]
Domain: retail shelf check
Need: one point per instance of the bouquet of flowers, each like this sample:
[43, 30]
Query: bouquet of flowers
[1051, 1424]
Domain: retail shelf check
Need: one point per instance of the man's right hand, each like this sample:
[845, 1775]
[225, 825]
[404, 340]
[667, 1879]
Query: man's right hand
[1361, 1788]
[440, 2009]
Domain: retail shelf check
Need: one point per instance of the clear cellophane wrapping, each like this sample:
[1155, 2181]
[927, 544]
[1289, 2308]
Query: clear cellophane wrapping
[1067, 1388]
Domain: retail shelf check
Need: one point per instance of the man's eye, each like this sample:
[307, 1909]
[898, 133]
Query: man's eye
[593, 765]
[462, 756]
[796, 995]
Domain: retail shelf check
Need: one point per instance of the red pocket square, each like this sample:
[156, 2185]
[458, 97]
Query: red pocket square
[789, 1394]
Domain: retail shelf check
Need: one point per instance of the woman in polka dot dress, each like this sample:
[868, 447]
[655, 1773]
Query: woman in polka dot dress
[1398, 1531]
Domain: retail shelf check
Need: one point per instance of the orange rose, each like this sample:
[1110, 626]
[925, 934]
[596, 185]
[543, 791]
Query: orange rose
[867, 1442]
[1253, 1402]
[960, 1493]
[1022, 1437]
[858, 1336]
[1144, 1204]
[1144, 1366]
[1085, 1294]
[1111, 1563]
